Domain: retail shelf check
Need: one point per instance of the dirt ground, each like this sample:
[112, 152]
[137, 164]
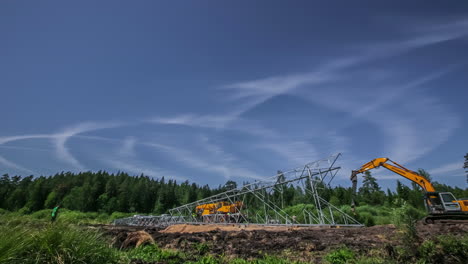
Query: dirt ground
[296, 243]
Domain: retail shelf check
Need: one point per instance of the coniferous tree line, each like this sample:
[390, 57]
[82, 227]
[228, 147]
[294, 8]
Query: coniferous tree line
[104, 192]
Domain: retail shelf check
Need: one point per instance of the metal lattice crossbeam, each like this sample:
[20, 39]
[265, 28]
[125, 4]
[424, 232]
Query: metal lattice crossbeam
[262, 202]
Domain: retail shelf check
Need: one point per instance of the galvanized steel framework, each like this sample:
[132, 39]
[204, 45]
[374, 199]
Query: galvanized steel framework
[263, 202]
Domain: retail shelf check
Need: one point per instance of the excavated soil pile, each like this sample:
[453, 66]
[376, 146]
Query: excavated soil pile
[297, 243]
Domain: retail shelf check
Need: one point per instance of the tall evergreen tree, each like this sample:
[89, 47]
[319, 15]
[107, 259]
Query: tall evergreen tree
[370, 191]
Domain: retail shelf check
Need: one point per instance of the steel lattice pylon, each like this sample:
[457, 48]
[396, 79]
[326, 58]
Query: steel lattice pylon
[263, 202]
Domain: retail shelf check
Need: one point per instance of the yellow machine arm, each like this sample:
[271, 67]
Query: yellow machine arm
[395, 167]
[398, 169]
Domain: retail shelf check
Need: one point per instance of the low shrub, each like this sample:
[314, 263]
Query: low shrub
[444, 249]
[340, 256]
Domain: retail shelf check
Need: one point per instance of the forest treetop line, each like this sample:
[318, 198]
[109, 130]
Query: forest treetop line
[106, 192]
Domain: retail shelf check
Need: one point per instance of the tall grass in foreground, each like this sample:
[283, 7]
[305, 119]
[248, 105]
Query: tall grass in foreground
[54, 243]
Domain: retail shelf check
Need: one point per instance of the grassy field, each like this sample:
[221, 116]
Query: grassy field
[34, 239]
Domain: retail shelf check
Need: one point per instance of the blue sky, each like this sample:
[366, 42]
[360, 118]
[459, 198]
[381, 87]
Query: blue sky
[209, 91]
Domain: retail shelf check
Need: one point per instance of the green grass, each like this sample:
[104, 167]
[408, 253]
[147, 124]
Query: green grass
[64, 216]
[340, 256]
[32, 238]
[54, 243]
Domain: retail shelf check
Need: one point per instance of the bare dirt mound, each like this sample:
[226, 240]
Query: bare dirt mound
[308, 244]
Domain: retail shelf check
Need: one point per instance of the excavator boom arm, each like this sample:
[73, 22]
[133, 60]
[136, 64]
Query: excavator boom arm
[392, 166]
[398, 169]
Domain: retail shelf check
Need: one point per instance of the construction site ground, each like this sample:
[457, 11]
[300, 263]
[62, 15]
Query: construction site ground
[294, 243]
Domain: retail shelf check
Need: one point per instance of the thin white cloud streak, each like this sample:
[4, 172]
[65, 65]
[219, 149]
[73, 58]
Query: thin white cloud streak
[7, 139]
[408, 128]
[296, 152]
[256, 92]
[60, 139]
[13, 165]
[212, 165]
[450, 168]
[128, 147]
[24, 148]
[206, 121]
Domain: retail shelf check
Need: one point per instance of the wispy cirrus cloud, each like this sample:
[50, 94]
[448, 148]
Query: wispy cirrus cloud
[451, 169]
[60, 139]
[296, 152]
[207, 121]
[218, 165]
[405, 124]
[7, 139]
[15, 166]
[390, 107]
[128, 147]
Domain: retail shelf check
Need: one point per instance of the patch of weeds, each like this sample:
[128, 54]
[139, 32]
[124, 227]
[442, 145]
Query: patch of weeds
[448, 249]
[152, 253]
[371, 260]
[149, 253]
[341, 256]
[238, 261]
[201, 248]
[405, 218]
[54, 244]
[208, 260]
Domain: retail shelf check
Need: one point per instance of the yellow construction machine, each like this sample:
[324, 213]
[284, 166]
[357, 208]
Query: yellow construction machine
[220, 211]
[439, 205]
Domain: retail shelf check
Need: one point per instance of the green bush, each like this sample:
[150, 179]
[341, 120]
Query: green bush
[367, 209]
[340, 256]
[366, 218]
[405, 218]
[448, 249]
[405, 214]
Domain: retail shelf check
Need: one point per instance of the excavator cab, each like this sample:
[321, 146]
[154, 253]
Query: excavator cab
[441, 202]
[450, 202]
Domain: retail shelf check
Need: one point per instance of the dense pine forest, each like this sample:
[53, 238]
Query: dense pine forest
[105, 192]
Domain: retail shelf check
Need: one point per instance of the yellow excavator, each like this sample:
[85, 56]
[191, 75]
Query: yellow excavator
[439, 205]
